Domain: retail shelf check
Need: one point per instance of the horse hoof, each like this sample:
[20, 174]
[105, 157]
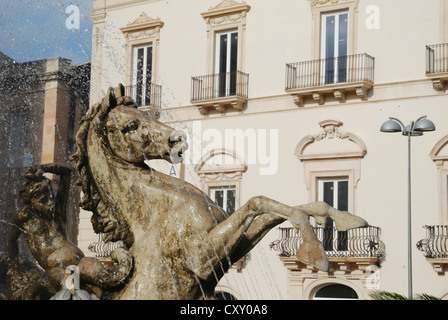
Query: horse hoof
[311, 252]
[345, 221]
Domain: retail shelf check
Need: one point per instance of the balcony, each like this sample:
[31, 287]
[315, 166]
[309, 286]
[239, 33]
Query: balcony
[349, 250]
[435, 247]
[437, 65]
[147, 97]
[338, 77]
[218, 91]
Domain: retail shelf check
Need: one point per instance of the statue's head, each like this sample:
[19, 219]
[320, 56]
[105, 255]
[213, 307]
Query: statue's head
[36, 193]
[135, 135]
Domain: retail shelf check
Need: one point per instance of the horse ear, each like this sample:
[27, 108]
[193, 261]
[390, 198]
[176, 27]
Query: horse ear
[109, 102]
[120, 92]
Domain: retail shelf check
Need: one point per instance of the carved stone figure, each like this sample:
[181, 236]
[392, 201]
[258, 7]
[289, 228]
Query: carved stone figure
[180, 240]
[40, 223]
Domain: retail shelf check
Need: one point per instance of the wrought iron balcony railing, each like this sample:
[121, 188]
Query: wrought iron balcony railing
[355, 243]
[437, 58]
[220, 85]
[321, 72]
[146, 95]
[435, 245]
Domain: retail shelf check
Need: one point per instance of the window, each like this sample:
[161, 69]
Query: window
[332, 152]
[224, 83]
[334, 192]
[221, 172]
[226, 61]
[142, 74]
[439, 155]
[334, 46]
[226, 23]
[142, 59]
[338, 19]
[225, 197]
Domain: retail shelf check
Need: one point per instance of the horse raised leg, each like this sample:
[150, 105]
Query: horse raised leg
[239, 233]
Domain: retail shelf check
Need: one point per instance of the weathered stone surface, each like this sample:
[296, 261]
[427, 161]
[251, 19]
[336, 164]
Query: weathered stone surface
[180, 242]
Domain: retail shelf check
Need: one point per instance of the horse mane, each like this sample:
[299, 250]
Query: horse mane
[105, 219]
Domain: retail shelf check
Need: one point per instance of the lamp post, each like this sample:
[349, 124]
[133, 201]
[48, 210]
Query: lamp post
[416, 128]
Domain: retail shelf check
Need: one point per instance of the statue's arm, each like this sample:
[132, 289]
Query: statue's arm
[11, 242]
[61, 199]
[56, 168]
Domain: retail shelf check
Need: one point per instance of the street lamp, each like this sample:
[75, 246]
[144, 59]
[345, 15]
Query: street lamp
[416, 128]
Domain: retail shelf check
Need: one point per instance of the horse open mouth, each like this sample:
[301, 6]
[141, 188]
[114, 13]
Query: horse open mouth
[178, 146]
[175, 158]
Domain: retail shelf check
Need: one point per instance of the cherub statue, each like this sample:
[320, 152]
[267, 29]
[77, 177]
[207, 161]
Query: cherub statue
[40, 221]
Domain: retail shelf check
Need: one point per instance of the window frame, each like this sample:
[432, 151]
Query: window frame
[143, 31]
[335, 163]
[221, 18]
[134, 80]
[220, 177]
[225, 188]
[439, 154]
[336, 180]
[334, 238]
[334, 70]
[320, 8]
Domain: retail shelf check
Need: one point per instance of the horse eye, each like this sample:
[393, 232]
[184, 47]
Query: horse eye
[131, 126]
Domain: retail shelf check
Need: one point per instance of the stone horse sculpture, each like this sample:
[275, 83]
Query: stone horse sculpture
[181, 241]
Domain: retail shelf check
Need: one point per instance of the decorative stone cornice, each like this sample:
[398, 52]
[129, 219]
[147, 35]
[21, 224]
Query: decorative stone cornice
[230, 172]
[330, 130]
[143, 26]
[227, 11]
[435, 153]
[321, 3]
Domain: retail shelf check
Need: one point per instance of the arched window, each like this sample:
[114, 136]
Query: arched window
[221, 172]
[439, 154]
[335, 292]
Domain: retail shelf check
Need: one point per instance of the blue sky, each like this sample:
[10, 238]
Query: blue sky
[36, 29]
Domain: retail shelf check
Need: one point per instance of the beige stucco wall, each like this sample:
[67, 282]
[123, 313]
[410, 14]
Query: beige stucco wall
[277, 33]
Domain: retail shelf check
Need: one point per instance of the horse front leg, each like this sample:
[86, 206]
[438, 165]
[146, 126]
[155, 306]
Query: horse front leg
[271, 213]
[241, 231]
[343, 220]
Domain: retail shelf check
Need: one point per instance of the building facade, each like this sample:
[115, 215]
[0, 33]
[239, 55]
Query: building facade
[42, 103]
[286, 99]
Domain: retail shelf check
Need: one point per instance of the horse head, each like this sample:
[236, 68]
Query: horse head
[135, 135]
[115, 131]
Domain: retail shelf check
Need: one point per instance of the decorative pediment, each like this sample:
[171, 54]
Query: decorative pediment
[321, 3]
[226, 11]
[143, 26]
[439, 152]
[219, 162]
[330, 143]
